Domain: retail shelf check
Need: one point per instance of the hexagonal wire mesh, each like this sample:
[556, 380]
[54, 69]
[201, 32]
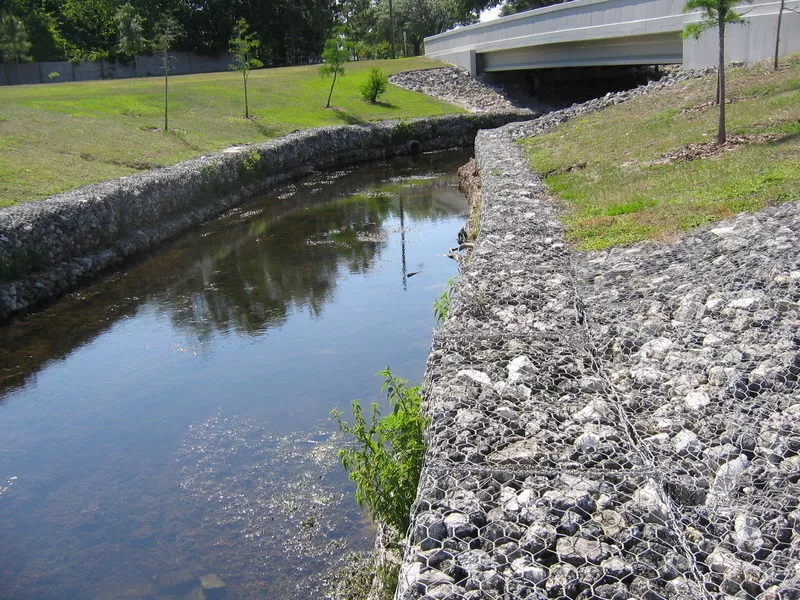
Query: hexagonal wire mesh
[616, 424]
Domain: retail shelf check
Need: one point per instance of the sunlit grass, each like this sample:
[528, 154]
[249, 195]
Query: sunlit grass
[619, 190]
[56, 137]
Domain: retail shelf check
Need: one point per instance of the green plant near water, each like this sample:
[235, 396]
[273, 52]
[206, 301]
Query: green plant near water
[441, 306]
[250, 163]
[388, 451]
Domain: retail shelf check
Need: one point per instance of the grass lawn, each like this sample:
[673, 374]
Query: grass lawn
[56, 137]
[613, 169]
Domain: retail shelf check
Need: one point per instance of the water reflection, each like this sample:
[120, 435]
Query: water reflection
[170, 422]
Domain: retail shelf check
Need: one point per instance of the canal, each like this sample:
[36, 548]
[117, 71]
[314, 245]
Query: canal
[172, 421]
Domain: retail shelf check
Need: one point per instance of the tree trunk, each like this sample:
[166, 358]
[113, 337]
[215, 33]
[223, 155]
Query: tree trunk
[778, 35]
[246, 108]
[721, 73]
[166, 90]
[391, 27]
[328, 105]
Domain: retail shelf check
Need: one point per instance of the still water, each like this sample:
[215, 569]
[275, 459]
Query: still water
[172, 421]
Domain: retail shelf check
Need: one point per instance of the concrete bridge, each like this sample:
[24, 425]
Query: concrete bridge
[586, 33]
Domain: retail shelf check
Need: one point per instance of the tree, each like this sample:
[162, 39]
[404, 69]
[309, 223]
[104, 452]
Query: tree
[14, 43]
[715, 13]
[243, 46]
[334, 57]
[374, 86]
[131, 31]
[167, 32]
[778, 33]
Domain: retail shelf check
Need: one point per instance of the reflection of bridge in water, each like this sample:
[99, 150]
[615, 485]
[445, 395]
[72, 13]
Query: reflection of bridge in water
[586, 33]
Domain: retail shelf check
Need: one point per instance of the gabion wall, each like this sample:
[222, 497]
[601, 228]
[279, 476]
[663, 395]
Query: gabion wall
[617, 424]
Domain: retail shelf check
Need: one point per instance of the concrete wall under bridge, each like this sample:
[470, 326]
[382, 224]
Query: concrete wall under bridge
[612, 32]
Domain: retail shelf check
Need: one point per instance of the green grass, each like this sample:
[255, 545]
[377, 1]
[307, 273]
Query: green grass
[624, 194]
[56, 137]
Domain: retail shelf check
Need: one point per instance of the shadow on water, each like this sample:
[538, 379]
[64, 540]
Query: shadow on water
[170, 422]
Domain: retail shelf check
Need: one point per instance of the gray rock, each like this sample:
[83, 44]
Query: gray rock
[538, 537]
[532, 573]
[562, 581]
[574, 500]
[580, 551]
[522, 452]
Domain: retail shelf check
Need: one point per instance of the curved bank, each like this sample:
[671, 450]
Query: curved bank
[50, 247]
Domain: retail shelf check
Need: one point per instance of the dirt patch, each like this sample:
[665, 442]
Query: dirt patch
[711, 104]
[711, 149]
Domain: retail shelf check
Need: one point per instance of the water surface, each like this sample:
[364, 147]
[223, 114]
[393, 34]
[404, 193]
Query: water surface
[172, 421]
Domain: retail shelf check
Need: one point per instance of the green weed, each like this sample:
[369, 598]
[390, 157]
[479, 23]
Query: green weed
[387, 458]
[441, 306]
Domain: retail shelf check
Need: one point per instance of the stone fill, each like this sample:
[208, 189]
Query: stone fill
[616, 424]
[456, 86]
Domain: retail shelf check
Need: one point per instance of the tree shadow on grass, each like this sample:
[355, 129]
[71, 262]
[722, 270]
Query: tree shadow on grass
[347, 118]
[265, 131]
[178, 135]
[783, 138]
[384, 104]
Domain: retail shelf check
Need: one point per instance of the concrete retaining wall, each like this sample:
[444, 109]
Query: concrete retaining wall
[181, 63]
[50, 247]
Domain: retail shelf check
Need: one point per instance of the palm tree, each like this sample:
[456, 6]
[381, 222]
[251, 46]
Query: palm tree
[716, 13]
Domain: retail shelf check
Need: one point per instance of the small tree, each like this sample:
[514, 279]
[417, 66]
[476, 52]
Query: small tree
[167, 32]
[778, 32]
[716, 13]
[243, 46]
[334, 55]
[778, 35]
[130, 26]
[374, 86]
[14, 42]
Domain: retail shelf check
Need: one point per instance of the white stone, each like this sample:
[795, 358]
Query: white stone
[656, 348]
[592, 412]
[697, 400]
[745, 303]
[687, 442]
[725, 481]
[518, 367]
[477, 376]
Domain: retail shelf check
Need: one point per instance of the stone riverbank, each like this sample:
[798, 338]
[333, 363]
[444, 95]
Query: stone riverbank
[50, 247]
[616, 424]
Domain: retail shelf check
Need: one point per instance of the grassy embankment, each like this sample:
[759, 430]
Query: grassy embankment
[56, 137]
[621, 176]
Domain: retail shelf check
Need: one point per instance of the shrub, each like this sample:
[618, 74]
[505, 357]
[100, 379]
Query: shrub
[441, 306]
[387, 458]
[374, 86]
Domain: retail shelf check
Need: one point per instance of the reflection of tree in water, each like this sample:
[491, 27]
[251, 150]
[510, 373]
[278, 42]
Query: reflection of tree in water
[213, 292]
[291, 264]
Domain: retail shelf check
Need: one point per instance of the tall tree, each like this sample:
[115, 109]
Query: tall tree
[243, 46]
[167, 31]
[14, 42]
[335, 56]
[715, 13]
[131, 31]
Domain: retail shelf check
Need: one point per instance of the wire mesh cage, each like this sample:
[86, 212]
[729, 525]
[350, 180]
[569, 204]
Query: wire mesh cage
[614, 424]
